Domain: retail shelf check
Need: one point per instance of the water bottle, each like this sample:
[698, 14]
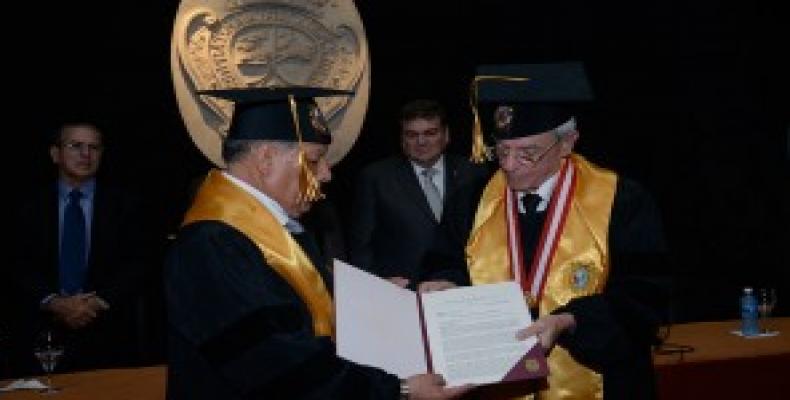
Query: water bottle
[749, 325]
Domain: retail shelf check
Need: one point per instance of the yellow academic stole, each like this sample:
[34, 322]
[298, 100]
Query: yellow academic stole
[571, 259]
[219, 199]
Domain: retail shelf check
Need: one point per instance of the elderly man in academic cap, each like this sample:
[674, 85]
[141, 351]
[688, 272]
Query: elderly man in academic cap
[248, 296]
[583, 241]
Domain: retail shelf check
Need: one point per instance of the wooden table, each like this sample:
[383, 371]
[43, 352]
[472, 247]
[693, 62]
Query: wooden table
[726, 366]
[147, 383]
[722, 366]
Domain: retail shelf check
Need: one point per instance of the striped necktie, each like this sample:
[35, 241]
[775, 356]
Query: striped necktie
[432, 192]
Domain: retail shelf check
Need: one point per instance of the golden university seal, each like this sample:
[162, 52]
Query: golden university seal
[219, 44]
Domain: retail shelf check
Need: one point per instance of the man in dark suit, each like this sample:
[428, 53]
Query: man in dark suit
[399, 200]
[80, 255]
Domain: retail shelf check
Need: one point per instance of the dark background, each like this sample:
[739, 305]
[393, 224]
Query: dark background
[691, 101]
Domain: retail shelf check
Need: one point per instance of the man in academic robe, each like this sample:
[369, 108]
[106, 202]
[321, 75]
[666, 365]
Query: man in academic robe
[248, 295]
[585, 243]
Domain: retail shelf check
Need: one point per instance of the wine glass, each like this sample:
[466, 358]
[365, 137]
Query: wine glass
[48, 351]
[765, 305]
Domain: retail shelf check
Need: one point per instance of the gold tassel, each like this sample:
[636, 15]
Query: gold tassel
[480, 152]
[309, 187]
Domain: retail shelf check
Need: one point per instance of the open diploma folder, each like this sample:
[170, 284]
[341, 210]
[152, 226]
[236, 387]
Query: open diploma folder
[466, 334]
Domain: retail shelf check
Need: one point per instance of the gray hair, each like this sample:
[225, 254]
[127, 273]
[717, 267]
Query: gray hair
[566, 128]
[234, 149]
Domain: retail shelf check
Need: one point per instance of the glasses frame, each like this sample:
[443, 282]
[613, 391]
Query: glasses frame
[529, 160]
[80, 146]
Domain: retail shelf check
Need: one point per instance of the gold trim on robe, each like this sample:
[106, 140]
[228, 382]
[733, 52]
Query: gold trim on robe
[219, 199]
[579, 267]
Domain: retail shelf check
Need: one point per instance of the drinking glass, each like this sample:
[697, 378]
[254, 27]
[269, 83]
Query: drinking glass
[765, 306]
[48, 351]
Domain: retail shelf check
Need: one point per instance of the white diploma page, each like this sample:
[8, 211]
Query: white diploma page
[472, 332]
[377, 323]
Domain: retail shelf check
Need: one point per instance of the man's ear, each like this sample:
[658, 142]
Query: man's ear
[54, 153]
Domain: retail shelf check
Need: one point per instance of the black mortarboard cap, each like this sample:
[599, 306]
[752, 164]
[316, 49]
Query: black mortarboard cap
[519, 100]
[270, 113]
[287, 114]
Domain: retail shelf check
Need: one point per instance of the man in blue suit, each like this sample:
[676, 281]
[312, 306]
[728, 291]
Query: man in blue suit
[80, 255]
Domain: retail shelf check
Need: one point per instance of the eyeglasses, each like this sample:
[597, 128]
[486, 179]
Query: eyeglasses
[80, 146]
[524, 156]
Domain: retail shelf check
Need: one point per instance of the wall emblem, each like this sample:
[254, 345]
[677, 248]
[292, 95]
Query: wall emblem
[219, 44]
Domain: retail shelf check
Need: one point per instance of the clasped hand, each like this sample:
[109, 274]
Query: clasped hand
[78, 310]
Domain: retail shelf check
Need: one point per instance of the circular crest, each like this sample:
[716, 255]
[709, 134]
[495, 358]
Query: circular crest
[223, 44]
[580, 277]
[503, 118]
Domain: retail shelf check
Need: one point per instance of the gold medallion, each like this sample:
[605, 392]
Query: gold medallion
[580, 277]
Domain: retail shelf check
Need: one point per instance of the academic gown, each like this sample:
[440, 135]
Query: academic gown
[237, 330]
[615, 329]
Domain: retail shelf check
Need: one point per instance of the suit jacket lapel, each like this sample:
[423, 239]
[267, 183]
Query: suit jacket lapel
[450, 176]
[50, 225]
[103, 203]
[411, 186]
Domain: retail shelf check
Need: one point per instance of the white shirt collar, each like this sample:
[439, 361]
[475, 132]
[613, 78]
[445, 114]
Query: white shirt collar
[274, 207]
[544, 191]
[438, 166]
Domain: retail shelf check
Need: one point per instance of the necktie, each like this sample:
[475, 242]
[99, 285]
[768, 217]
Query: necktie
[531, 224]
[72, 246]
[432, 192]
[530, 202]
